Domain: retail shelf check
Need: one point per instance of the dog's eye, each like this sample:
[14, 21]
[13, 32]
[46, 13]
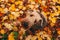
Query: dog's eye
[31, 15]
[23, 16]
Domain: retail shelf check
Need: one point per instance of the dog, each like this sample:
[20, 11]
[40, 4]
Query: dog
[33, 20]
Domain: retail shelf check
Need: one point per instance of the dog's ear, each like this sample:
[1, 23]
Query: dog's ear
[44, 19]
[44, 22]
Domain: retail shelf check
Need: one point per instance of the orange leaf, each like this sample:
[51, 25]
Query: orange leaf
[1, 14]
[36, 0]
[58, 29]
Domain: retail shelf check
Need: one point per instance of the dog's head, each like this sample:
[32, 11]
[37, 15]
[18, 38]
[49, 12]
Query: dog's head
[33, 19]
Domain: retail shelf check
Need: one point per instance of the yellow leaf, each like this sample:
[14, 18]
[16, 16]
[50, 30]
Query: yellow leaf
[58, 32]
[18, 2]
[12, 8]
[2, 31]
[11, 36]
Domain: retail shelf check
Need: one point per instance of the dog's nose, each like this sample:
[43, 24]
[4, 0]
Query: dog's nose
[25, 24]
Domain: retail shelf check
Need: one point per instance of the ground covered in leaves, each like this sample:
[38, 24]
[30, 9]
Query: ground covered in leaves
[12, 11]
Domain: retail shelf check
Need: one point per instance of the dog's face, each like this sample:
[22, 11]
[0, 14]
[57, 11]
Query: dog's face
[33, 18]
